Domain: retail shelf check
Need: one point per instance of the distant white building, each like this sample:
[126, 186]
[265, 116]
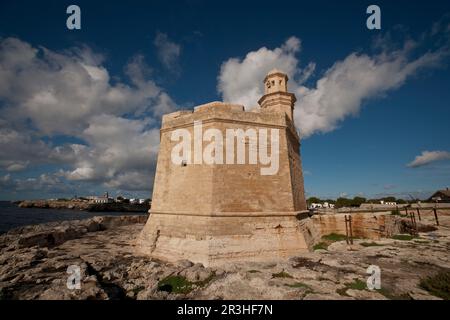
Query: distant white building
[324, 205]
[328, 205]
[388, 203]
[102, 199]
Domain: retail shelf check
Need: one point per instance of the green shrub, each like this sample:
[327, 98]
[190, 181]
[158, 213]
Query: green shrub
[391, 296]
[179, 284]
[281, 274]
[175, 284]
[334, 237]
[320, 246]
[357, 285]
[299, 285]
[422, 241]
[403, 237]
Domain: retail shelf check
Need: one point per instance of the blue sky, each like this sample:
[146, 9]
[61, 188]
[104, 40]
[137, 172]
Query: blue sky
[146, 58]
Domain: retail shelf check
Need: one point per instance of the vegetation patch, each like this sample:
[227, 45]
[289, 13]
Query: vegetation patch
[206, 281]
[180, 285]
[397, 212]
[334, 237]
[421, 241]
[299, 285]
[361, 285]
[138, 289]
[281, 274]
[329, 239]
[403, 237]
[175, 284]
[392, 296]
[355, 285]
[320, 246]
[371, 244]
[437, 285]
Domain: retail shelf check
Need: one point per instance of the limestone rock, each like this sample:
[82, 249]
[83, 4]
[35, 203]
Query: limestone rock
[111, 269]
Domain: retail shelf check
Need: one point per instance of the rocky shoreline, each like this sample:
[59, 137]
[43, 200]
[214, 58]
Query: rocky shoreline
[84, 206]
[34, 261]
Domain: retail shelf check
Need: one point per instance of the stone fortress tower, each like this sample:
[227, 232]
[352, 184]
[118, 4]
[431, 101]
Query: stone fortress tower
[220, 212]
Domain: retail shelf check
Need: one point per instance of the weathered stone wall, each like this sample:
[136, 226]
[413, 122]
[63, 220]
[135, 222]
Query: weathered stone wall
[223, 187]
[214, 213]
[364, 225]
[296, 172]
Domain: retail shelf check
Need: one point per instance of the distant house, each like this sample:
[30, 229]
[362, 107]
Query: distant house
[388, 203]
[328, 205]
[321, 205]
[442, 196]
[102, 199]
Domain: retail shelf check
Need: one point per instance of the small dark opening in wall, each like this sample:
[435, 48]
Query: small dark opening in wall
[184, 163]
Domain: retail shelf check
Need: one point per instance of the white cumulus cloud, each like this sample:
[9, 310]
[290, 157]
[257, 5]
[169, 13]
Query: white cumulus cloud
[240, 81]
[427, 157]
[343, 88]
[168, 51]
[46, 94]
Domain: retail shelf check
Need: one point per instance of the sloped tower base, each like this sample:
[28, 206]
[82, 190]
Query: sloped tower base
[217, 240]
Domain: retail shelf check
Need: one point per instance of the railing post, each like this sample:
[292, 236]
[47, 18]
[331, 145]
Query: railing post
[413, 223]
[351, 229]
[435, 216]
[346, 229]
